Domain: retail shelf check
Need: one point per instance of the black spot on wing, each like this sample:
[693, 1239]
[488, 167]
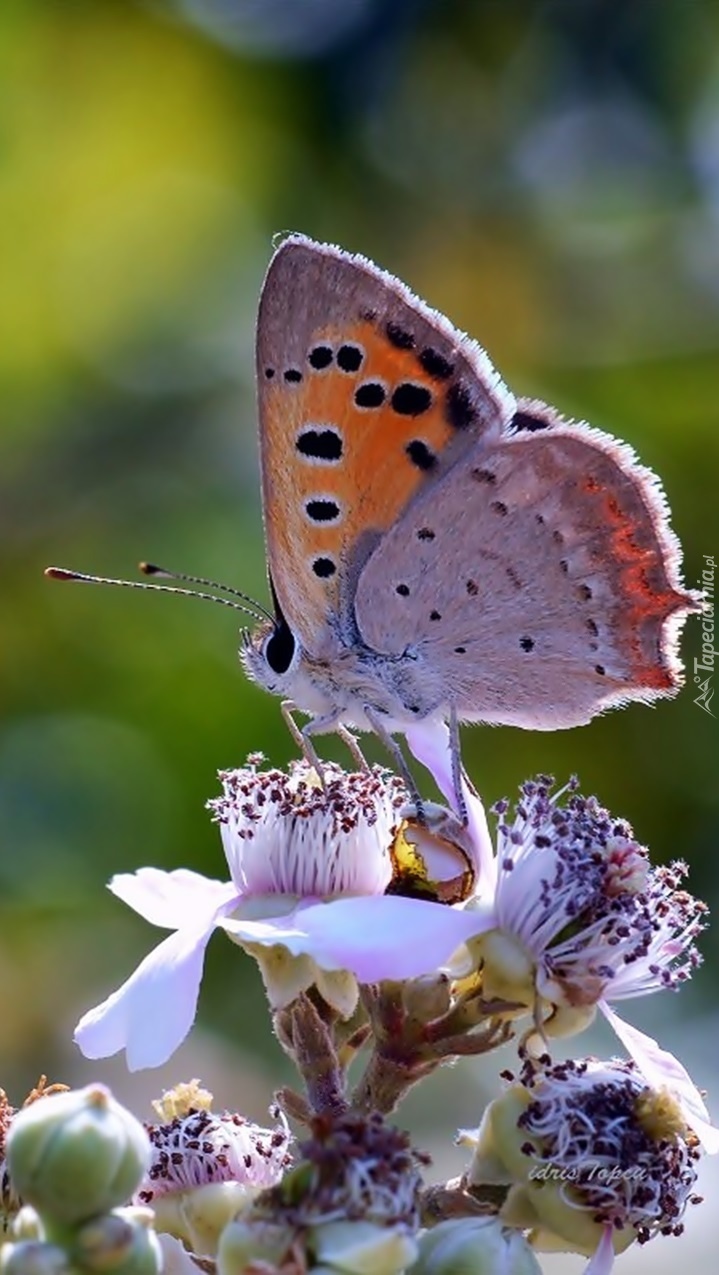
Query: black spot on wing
[349, 358]
[320, 357]
[527, 421]
[399, 337]
[435, 364]
[459, 408]
[411, 400]
[324, 568]
[484, 476]
[421, 455]
[322, 510]
[371, 394]
[320, 444]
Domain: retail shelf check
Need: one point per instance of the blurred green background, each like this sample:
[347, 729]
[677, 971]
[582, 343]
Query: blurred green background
[547, 174]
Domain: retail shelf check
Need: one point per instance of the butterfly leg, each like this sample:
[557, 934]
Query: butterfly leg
[396, 753]
[301, 737]
[319, 725]
[456, 762]
[353, 747]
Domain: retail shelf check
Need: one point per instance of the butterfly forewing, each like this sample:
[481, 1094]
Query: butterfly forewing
[537, 583]
[366, 399]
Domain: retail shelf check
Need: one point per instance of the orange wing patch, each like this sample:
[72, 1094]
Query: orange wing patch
[647, 597]
[353, 432]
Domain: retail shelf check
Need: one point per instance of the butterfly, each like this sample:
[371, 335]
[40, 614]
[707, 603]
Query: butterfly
[438, 550]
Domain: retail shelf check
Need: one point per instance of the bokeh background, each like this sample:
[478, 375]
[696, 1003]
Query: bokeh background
[545, 173]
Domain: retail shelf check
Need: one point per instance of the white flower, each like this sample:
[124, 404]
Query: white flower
[572, 917]
[206, 1168]
[309, 865]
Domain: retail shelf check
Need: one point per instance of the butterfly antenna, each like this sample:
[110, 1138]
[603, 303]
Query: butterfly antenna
[62, 573]
[152, 569]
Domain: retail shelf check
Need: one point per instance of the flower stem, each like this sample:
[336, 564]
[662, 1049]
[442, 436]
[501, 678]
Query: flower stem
[308, 1040]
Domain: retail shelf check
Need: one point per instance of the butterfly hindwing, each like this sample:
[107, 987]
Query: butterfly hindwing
[538, 582]
[366, 398]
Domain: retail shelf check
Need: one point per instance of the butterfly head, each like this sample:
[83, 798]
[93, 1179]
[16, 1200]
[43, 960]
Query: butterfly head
[270, 656]
[273, 657]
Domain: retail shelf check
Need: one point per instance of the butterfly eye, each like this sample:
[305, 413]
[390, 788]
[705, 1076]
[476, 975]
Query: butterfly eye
[279, 649]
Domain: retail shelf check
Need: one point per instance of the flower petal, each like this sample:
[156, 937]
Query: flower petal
[150, 1015]
[429, 741]
[175, 1258]
[375, 937]
[663, 1071]
[170, 900]
[602, 1261]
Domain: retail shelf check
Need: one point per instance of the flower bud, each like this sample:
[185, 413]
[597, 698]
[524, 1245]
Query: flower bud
[474, 1246]
[427, 998]
[262, 1244]
[27, 1225]
[105, 1242]
[33, 1257]
[76, 1154]
[199, 1216]
[362, 1248]
[142, 1256]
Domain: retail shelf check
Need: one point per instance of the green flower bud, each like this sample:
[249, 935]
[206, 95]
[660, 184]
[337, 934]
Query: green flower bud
[474, 1246]
[428, 998]
[199, 1215]
[243, 1244]
[105, 1242]
[76, 1154]
[362, 1248]
[27, 1225]
[498, 1145]
[508, 970]
[143, 1256]
[33, 1257]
